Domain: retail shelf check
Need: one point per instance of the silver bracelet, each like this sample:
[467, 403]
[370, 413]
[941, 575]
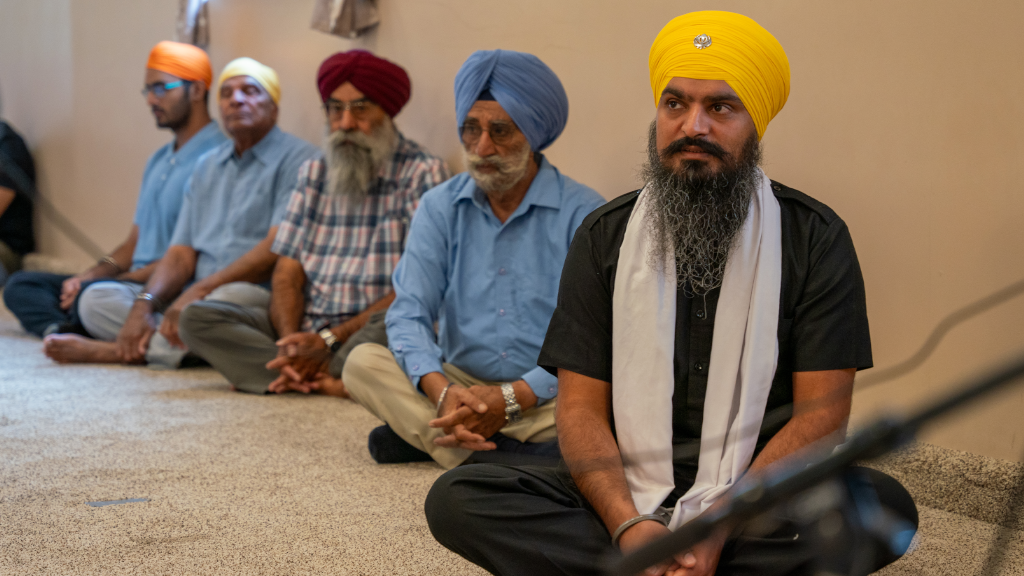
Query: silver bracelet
[152, 299]
[440, 399]
[636, 520]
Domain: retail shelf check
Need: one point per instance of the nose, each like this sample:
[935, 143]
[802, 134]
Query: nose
[151, 100]
[485, 146]
[696, 122]
[347, 122]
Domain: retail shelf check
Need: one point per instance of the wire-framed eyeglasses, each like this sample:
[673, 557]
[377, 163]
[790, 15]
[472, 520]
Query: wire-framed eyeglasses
[359, 108]
[501, 133]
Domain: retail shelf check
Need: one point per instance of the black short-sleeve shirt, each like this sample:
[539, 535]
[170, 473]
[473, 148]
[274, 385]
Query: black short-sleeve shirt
[16, 221]
[823, 321]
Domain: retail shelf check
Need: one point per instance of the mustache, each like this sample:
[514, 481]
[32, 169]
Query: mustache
[705, 146]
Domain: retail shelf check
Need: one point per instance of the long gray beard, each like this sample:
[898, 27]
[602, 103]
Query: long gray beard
[509, 170]
[354, 159]
[697, 213]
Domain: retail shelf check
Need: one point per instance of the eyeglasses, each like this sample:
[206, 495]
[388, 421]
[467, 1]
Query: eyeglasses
[359, 109]
[159, 89]
[501, 133]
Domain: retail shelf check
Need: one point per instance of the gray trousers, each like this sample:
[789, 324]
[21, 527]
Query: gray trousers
[239, 341]
[104, 307]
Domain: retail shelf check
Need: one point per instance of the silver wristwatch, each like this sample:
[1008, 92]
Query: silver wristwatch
[330, 339]
[513, 411]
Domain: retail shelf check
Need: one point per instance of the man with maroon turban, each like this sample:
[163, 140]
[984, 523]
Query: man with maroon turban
[343, 234]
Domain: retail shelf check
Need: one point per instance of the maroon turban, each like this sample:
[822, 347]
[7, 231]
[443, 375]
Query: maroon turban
[382, 81]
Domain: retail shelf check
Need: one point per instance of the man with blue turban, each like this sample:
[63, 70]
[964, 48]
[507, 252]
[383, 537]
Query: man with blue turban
[482, 263]
[687, 312]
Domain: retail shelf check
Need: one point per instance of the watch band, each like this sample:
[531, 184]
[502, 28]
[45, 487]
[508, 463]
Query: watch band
[330, 339]
[513, 411]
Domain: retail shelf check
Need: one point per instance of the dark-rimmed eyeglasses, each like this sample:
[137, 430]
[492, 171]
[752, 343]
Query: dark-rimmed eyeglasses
[359, 109]
[160, 89]
[501, 133]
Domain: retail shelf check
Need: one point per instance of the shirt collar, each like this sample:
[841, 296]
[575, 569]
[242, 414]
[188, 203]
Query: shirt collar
[266, 150]
[544, 191]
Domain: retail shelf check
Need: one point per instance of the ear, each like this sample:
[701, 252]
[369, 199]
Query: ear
[196, 92]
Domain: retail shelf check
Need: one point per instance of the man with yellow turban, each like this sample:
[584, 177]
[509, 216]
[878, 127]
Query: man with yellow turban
[177, 83]
[220, 246]
[687, 311]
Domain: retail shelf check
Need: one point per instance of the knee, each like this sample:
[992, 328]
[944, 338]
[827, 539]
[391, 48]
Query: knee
[444, 507]
[358, 365]
[892, 495]
[18, 288]
[94, 302]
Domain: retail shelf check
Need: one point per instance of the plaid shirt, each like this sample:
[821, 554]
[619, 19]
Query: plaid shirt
[348, 249]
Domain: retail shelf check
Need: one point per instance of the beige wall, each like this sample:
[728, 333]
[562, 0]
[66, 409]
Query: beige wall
[905, 117]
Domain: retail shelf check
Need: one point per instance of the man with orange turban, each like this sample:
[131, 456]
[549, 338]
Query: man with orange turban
[220, 245]
[176, 89]
[687, 311]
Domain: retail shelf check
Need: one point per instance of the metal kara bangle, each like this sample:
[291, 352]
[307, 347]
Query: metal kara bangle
[157, 303]
[440, 399]
[635, 520]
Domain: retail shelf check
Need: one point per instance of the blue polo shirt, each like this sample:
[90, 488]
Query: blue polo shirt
[232, 201]
[490, 286]
[163, 187]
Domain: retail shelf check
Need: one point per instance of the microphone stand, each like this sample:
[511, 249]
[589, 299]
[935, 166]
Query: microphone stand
[756, 495]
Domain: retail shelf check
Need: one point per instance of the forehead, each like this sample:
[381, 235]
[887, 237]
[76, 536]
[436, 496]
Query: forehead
[487, 111]
[694, 89]
[236, 82]
[347, 93]
[154, 76]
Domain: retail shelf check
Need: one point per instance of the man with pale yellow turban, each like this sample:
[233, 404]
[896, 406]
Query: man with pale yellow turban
[687, 311]
[220, 246]
[177, 82]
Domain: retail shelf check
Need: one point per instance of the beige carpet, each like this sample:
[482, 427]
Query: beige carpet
[238, 484]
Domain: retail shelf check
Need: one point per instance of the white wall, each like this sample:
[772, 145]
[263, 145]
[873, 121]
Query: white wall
[905, 117]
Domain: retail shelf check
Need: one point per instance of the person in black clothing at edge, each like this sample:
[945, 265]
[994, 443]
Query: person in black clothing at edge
[686, 311]
[16, 236]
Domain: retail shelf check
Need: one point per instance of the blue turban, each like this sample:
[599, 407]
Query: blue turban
[524, 86]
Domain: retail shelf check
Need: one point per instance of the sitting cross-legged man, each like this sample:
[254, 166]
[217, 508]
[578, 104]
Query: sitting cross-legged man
[686, 312]
[221, 242]
[177, 84]
[337, 246]
[482, 263]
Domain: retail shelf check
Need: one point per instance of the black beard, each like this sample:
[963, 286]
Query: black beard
[696, 212]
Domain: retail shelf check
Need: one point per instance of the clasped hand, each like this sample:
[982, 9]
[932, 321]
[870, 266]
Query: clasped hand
[701, 560]
[302, 359]
[469, 416]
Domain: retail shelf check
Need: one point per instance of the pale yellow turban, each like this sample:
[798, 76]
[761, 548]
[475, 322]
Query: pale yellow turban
[265, 75]
[713, 45]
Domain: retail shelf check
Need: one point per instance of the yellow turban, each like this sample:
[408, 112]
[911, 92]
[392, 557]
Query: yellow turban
[713, 45]
[182, 60]
[265, 75]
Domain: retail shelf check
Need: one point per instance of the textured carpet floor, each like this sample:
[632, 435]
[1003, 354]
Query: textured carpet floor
[238, 484]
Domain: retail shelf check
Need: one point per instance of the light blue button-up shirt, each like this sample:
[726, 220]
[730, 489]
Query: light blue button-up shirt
[163, 187]
[491, 287]
[232, 201]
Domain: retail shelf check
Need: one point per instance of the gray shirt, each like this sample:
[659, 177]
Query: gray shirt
[232, 201]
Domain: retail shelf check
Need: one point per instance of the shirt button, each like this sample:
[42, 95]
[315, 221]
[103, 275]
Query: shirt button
[504, 354]
[173, 161]
[398, 348]
[415, 366]
[502, 271]
[698, 366]
[501, 312]
[700, 313]
[551, 389]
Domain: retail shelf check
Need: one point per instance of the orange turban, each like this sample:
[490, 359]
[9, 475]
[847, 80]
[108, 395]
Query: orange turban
[182, 60]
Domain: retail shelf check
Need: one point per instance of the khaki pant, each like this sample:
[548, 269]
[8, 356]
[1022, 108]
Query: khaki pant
[376, 382]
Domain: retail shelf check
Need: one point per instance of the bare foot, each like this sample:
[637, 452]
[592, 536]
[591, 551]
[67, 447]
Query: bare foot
[70, 348]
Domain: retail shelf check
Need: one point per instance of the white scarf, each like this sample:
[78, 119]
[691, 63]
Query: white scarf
[744, 355]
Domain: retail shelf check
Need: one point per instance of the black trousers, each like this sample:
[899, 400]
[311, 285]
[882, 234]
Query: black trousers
[534, 521]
